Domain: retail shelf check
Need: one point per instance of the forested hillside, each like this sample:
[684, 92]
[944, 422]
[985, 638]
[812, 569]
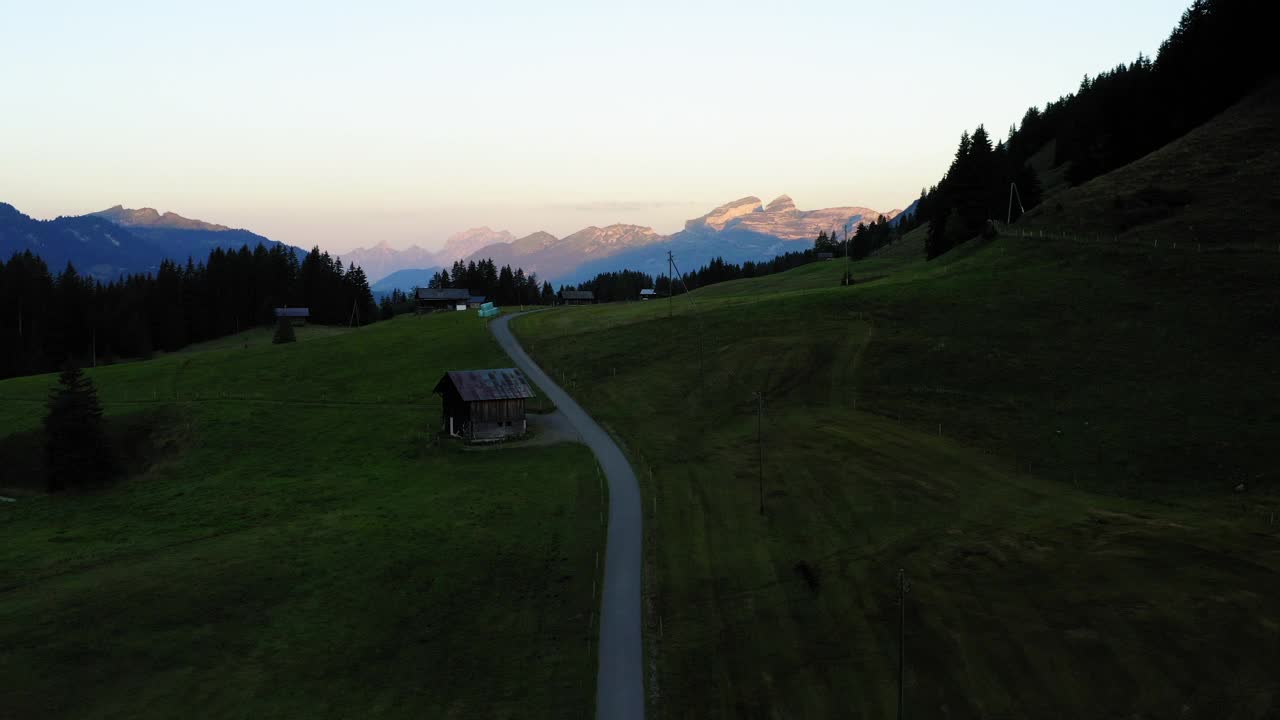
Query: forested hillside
[69, 317]
[1211, 60]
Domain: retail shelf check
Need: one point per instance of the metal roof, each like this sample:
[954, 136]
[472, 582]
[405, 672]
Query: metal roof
[496, 384]
[476, 299]
[578, 295]
[648, 291]
[293, 312]
[444, 294]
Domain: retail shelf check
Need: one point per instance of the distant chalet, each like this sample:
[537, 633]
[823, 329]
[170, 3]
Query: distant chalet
[431, 299]
[648, 294]
[297, 316]
[577, 297]
[484, 405]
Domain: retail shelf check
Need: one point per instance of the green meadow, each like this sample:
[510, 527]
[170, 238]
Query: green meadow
[1067, 443]
[295, 542]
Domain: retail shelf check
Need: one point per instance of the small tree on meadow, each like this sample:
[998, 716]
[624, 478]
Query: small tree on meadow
[76, 449]
[284, 331]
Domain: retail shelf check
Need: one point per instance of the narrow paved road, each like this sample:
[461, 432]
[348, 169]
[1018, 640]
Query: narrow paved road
[620, 676]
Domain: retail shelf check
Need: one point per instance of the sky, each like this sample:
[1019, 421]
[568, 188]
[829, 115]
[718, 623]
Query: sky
[348, 124]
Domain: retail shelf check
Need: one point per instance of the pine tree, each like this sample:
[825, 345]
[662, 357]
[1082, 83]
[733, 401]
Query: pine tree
[284, 331]
[76, 449]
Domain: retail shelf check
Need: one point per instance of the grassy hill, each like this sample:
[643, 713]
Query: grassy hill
[1213, 188]
[1047, 435]
[300, 545]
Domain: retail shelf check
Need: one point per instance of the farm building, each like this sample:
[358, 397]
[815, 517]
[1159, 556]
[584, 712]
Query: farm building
[430, 299]
[648, 294]
[474, 302]
[297, 316]
[484, 405]
[577, 297]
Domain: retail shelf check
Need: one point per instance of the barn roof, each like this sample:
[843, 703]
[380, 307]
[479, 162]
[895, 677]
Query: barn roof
[648, 291]
[496, 384]
[293, 312]
[578, 295]
[444, 294]
[476, 299]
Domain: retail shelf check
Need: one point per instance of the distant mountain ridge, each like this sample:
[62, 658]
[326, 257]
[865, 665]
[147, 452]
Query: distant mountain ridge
[744, 229]
[117, 241]
[108, 243]
[381, 261]
[149, 217]
[781, 219]
[406, 280]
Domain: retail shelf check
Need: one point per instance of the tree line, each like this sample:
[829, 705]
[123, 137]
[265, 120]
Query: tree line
[976, 190]
[866, 238]
[1209, 61]
[614, 286]
[50, 320]
[501, 286]
[627, 284]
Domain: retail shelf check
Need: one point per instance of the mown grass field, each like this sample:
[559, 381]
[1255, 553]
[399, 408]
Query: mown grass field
[1137, 590]
[261, 336]
[1070, 447]
[302, 546]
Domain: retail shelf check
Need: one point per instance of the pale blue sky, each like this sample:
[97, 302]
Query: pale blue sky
[344, 124]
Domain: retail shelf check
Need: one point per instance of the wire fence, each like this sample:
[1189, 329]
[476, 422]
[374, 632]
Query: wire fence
[171, 397]
[1191, 243]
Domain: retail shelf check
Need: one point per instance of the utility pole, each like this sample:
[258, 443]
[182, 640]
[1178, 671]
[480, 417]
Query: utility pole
[902, 638]
[1013, 191]
[760, 444]
[846, 255]
[671, 281]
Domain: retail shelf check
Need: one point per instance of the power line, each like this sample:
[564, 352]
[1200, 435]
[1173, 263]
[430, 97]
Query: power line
[1013, 192]
[759, 396]
[671, 282]
[903, 587]
[697, 316]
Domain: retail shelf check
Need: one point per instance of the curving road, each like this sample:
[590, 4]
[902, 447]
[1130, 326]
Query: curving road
[620, 674]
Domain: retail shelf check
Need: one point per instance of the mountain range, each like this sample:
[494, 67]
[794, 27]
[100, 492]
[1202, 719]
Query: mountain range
[745, 229]
[118, 240]
[381, 260]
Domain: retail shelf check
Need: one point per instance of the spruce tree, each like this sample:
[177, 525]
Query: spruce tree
[76, 450]
[284, 331]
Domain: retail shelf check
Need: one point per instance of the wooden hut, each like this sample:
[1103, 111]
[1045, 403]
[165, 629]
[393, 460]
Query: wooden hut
[578, 297]
[484, 405]
[431, 299]
[648, 294]
[297, 316]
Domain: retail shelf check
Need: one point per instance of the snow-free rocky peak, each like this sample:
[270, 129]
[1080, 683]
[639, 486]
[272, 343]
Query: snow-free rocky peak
[782, 203]
[150, 218]
[723, 215]
[462, 244]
